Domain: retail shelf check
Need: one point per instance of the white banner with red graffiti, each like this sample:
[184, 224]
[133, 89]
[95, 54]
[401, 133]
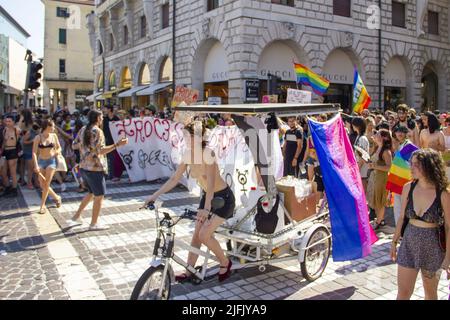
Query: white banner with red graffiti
[155, 146]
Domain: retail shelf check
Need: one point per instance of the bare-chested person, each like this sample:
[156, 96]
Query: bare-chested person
[432, 136]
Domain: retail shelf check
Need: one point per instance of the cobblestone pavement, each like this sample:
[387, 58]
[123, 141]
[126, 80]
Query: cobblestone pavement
[47, 260]
[27, 270]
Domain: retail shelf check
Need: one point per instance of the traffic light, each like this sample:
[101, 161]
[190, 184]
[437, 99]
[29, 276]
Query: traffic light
[274, 84]
[35, 75]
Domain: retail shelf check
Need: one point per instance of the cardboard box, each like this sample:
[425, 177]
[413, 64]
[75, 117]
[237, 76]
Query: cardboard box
[299, 210]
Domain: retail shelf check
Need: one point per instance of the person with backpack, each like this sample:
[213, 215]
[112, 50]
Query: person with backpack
[423, 227]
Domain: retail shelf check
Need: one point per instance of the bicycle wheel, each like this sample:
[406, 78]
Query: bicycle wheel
[316, 257]
[148, 285]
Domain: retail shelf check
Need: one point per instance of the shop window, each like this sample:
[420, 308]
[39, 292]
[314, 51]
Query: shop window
[282, 89]
[62, 36]
[398, 14]
[393, 97]
[143, 26]
[165, 15]
[284, 2]
[342, 8]
[433, 22]
[212, 4]
[218, 90]
[340, 93]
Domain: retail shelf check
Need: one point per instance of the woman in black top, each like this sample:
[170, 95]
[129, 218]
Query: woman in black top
[426, 207]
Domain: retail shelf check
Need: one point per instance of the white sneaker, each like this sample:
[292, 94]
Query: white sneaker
[98, 227]
[63, 187]
[73, 223]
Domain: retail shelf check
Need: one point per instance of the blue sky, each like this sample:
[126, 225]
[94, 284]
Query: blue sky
[30, 15]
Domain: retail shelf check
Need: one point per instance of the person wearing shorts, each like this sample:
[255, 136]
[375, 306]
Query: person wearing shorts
[45, 149]
[227, 211]
[10, 149]
[207, 174]
[93, 167]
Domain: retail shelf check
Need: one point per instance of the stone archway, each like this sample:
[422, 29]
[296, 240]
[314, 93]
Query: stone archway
[398, 82]
[430, 86]
[203, 57]
[126, 78]
[339, 69]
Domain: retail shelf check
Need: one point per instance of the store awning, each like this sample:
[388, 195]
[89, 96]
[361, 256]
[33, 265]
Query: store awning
[95, 96]
[132, 91]
[110, 94]
[154, 88]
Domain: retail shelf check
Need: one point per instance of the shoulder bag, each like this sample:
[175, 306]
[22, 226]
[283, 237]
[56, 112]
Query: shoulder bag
[61, 165]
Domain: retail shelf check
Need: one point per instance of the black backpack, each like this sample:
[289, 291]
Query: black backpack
[266, 222]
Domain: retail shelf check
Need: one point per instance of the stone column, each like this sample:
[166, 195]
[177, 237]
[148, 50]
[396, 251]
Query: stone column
[421, 9]
[148, 11]
[46, 96]
[134, 100]
[129, 20]
[55, 100]
[114, 24]
[71, 98]
[91, 27]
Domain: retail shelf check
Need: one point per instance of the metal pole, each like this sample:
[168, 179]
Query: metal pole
[104, 79]
[380, 98]
[174, 56]
[29, 59]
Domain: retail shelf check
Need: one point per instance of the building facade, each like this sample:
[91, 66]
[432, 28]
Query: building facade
[68, 67]
[13, 68]
[223, 45]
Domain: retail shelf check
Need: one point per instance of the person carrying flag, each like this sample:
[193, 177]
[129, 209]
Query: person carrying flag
[361, 98]
[400, 172]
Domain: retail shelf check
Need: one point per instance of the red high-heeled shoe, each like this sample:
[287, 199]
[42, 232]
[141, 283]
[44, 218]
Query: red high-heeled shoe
[226, 275]
[184, 277]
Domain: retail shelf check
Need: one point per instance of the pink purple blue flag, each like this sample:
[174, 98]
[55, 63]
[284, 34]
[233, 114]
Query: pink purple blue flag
[352, 234]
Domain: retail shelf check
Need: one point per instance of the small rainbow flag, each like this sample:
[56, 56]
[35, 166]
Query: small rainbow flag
[309, 78]
[361, 98]
[400, 173]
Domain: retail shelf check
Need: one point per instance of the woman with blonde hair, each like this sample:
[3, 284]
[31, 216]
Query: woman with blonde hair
[426, 213]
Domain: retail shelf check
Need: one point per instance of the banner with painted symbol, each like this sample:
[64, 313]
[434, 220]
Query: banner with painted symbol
[155, 147]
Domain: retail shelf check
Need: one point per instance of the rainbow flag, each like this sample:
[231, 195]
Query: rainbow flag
[400, 173]
[361, 98]
[352, 234]
[309, 78]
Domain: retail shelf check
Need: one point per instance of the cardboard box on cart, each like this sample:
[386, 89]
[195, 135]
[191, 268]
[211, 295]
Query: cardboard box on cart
[303, 209]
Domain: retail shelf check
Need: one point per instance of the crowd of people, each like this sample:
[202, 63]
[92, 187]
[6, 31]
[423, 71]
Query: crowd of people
[404, 162]
[403, 158]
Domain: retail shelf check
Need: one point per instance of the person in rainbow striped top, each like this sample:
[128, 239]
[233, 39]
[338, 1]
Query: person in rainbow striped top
[400, 172]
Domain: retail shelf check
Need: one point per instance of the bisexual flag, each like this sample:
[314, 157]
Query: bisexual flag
[352, 234]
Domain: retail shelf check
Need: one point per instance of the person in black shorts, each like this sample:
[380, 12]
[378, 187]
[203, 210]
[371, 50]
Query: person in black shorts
[11, 150]
[206, 172]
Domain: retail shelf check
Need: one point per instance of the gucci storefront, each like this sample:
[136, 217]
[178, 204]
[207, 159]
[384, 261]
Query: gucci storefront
[277, 59]
[339, 70]
[394, 83]
[216, 75]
